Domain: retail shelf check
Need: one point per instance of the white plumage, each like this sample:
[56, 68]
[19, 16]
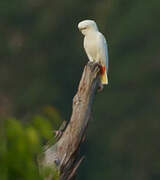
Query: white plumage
[95, 46]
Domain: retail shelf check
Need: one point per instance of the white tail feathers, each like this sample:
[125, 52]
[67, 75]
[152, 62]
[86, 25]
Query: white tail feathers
[104, 78]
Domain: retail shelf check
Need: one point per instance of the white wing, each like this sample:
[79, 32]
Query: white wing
[102, 50]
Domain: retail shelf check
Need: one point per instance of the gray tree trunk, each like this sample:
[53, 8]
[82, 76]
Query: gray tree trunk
[62, 157]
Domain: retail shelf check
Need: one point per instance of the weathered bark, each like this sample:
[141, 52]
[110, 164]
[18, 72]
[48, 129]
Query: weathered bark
[63, 155]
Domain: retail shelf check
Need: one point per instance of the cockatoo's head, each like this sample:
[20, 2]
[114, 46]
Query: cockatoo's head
[87, 26]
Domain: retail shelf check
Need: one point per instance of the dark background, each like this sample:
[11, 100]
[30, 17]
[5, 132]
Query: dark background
[41, 62]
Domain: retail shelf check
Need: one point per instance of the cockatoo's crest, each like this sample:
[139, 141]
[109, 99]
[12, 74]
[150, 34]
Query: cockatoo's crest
[87, 25]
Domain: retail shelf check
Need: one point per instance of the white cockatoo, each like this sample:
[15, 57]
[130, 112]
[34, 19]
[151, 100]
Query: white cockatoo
[95, 46]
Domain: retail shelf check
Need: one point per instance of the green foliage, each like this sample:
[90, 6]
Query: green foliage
[20, 146]
[48, 172]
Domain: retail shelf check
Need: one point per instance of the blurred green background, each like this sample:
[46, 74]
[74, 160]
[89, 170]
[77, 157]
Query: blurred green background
[42, 59]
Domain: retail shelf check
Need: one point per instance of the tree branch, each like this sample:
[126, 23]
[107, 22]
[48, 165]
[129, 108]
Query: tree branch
[63, 155]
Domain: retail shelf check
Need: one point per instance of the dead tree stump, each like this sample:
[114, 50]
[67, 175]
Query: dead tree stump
[63, 155]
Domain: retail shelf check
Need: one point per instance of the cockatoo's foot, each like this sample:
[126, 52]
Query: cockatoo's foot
[90, 62]
[100, 87]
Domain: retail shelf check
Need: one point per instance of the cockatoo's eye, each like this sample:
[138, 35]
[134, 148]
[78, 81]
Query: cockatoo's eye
[83, 28]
